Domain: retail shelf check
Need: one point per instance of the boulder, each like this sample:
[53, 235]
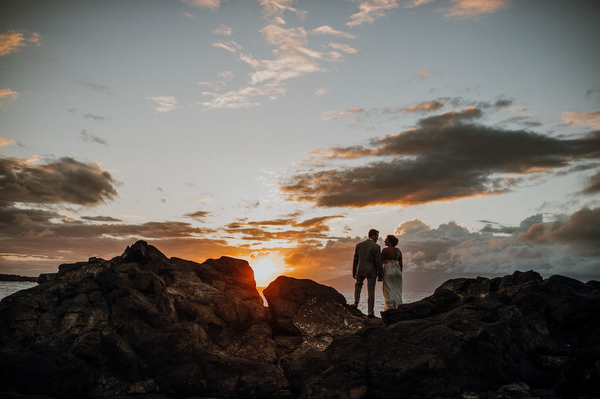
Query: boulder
[516, 336]
[140, 324]
[313, 311]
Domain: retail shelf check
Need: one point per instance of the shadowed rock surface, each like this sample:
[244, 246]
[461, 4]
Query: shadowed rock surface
[142, 325]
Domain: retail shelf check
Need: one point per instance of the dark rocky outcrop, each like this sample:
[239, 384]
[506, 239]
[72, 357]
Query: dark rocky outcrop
[14, 277]
[142, 325]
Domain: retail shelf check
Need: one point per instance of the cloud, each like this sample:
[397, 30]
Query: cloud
[99, 88]
[580, 231]
[372, 10]
[469, 9]
[230, 46]
[289, 229]
[105, 219]
[427, 106]
[12, 41]
[567, 247]
[330, 115]
[223, 30]
[275, 8]
[4, 142]
[321, 92]
[445, 157]
[64, 181]
[210, 4]
[343, 48]
[198, 215]
[85, 136]
[94, 117]
[328, 30]
[424, 74]
[7, 94]
[594, 185]
[163, 103]
[416, 3]
[581, 118]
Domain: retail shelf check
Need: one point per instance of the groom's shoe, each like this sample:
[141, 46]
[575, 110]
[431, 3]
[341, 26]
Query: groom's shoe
[354, 305]
[371, 316]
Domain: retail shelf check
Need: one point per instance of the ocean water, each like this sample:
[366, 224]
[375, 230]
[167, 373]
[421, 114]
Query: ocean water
[407, 297]
[10, 287]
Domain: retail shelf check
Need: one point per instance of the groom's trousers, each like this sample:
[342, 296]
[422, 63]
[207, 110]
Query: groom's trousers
[371, 281]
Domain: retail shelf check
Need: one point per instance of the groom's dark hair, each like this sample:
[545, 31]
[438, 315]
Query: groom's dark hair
[372, 232]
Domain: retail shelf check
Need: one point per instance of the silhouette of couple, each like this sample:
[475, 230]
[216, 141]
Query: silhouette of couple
[373, 264]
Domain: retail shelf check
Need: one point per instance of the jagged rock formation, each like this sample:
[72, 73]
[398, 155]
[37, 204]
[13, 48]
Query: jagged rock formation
[141, 325]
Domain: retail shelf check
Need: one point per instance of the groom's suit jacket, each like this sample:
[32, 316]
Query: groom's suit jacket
[367, 260]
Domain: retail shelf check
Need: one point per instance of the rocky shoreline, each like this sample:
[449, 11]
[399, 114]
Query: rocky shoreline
[14, 277]
[145, 326]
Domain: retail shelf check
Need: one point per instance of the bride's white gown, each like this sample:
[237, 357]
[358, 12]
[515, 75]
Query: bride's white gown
[392, 282]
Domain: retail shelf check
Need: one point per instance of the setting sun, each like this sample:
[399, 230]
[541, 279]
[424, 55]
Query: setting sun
[266, 269]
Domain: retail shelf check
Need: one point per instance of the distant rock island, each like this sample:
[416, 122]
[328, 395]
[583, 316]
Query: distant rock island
[144, 326]
[14, 277]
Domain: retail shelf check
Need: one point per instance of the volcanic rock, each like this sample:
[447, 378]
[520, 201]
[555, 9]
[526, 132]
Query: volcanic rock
[145, 326]
[140, 324]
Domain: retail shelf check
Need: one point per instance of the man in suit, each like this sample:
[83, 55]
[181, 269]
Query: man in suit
[367, 264]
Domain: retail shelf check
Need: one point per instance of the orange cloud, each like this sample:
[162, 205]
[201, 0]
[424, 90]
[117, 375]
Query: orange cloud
[468, 9]
[11, 41]
[581, 118]
[5, 142]
[8, 94]
[372, 10]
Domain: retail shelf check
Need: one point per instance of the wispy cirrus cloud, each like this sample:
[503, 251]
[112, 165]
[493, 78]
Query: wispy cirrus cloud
[163, 103]
[210, 4]
[7, 95]
[12, 41]
[97, 87]
[445, 157]
[421, 107]
[85, 136]
[223, 30]
[328, 30]
[372, 10]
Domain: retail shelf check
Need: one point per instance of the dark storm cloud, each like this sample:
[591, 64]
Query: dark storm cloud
[445, 157]
[62, 181]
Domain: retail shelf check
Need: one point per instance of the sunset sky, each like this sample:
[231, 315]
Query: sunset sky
[281, 131]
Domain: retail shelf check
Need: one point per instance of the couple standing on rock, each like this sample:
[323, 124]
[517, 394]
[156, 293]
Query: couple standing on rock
[372, 263]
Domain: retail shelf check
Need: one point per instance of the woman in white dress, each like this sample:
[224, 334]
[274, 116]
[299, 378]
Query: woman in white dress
[392, 273]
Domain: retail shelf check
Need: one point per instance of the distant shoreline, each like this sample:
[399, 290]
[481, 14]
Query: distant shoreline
[14, 277]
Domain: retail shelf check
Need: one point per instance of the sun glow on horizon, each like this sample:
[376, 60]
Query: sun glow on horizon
[266, 269]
